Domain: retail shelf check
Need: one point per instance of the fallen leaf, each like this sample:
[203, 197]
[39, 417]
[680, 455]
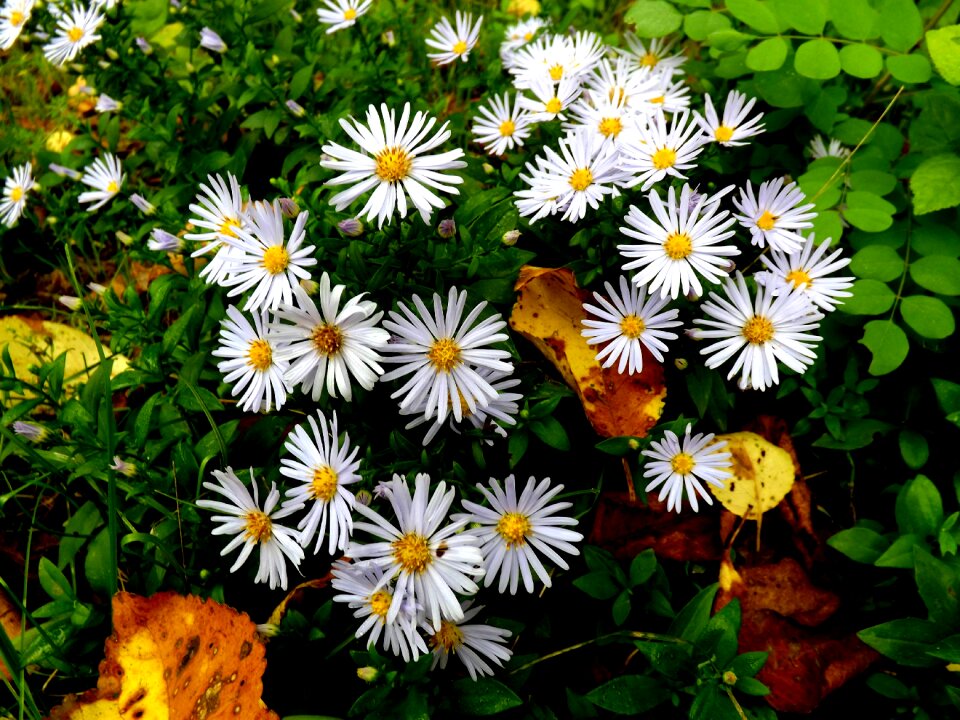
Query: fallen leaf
[295, 595]
[762, 475]
[9, 624]
[173, 657]
[548, 312]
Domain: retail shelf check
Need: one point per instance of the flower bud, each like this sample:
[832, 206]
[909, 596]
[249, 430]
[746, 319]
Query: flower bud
[296, 108]
[368, 673]
[289, 207]
[510, 237]
[447, 228]
[351, 227]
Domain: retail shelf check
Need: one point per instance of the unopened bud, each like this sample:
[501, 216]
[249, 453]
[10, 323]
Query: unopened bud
[289, 207]
[142, 204]
[70, 301]
[368, 673]
[681, 363]
[162, 241]
[633, 444]
[488, 168]
[112, 54]
[729, 678]
[351, 227]
[97, 288]
[388, 38]
[144, 46]
[510, 237]
[309, 286]
[364, 497]
[447, 228]
[296, 108]
[123, 238]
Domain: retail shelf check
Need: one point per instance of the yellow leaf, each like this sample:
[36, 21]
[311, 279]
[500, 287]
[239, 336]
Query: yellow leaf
[763, 474]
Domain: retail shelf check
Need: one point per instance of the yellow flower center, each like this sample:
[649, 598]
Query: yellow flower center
[393, 164]
[507, 127]
[327, 339]
[444, 354]
[460, 48]
[528, 36]
[632, 327]
[799, 278]
[260, 355]
[275, 259]
[554, 105]
[581, 179]
[556, 72]
[349, 14]
[758, 330]
[259, 526]
[682, 463]
[16, 194]
[664, 158]
[380, 603]
[767, 220]
[112, 187]
[658, 100]
[75, 33]
[514, 528]
[610, 126]
[448, 637]
[16, 18]
[649, 60]
[723, 133]
[678, 246]
[228, 227]
[324, 484]
[412, 553]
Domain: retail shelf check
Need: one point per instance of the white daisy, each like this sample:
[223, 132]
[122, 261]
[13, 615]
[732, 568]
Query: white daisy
[443, 352]
[775, 215]
[513, 531]
[550, 100]
[395, 164]
[612, 122]
[734, 128]
[217, 213]
[760, 331]
[820, 149]
[548, 59]
[473, 644]
[106, 176]
[75, 30]
[806, 271]
[669, 97]
[498, 128]
[324, 467]
[362, 586]
[254, 527]
[251, 361]
[623, 85]
[265, 261]
[430, 563]
[653, 56]
[451, 43]
[518, 35]
[13, 18]
[328, 345]
[681, 243]
[682, 467]
[660, 151]
[15, 189]
[627, 321]
[340, 14]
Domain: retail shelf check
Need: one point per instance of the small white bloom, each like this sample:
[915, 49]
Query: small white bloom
[682, 467]
[669, 97]
[516, 36]
[775, 215]
[251, 362]
[13, 18]
[218, 213]
[162, 241]
[75, 30]
[623, 85]
[15, 189]
[123, 467]
[105, 103]
[473, 644]
[820, 149]
[64, 171]
[254, 527]
[71, 302]
[654, 56]
[734, 128]
[807, 271]
[661, 151]
[142, 204]
[211, 41]
[612, 122]
[340, 14]
[451, 43]
[550, 100]
[498, 128]
[106, 176]
[31, 431]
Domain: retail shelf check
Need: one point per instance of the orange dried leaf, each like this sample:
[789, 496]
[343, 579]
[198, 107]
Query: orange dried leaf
[549, 313]
[173, 656]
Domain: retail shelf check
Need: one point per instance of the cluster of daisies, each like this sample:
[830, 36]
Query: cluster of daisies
[76, 26]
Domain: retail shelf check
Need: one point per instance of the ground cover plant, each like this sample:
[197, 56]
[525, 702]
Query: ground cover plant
[390, 359]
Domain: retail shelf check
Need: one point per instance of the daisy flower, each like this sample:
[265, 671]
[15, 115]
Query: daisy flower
[518, 35]
[807, 271]
[253, 526]
[106, 176]
[75, 30]
[15, 189]
[775, 215]
[661, 151]
[217, 214]
[612, 122]
[328, 345]
[654, 57]
[820, 149]
[627, 321]
[473, 644]
[760, 331]
[734, 128]
[548, 59]
[361, 585]
[622, 85]
[668, 97]
[265, 261]
[395, 164]
[498, 128]
[513, 531]
[550, 100]
[430, 563]
[13, 18]
[340, 14]
[323, 467]
[679, 243]
[251, 361]
[451, 43]
[443, 352]
[539, 201]
[680, 467]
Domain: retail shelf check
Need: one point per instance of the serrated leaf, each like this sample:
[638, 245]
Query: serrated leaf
[937, 273]
[944, 49]
[928, 316]
[817, 59]
[936, 184]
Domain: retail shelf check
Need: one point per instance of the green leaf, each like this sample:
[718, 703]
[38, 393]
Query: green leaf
[909, 68]
[551, 432]
[937, 273]
[901, 26]
[748, 664]
[782, 88]
[900, 554]
[693, 618]
[769, 54]
[856, 434]
[861, 61]
[699, 24]
[948, 395]
[629, 694]
[877, 262]
[906, 641]
[928, 316]
[808, 16]
[618, 446]
[873, 181]
[751, 686]
[888, 686]
[944, 49]
[598, 585]
[828, 225]
[300, 81]
[653, 18]
[938, 584]
[728, 40]
[720, 637]
[854, 19]
[936, 184]
[756, 14]
[485, 696]
[621, 608]
[887, 343]
[859, 544]
[77, 531]
[642, 567]
[54, 583]
[947, 649]
[868, 212]
[935, 239]
[97, 567]
[817, 59]
[914, 449]
[919, 507]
